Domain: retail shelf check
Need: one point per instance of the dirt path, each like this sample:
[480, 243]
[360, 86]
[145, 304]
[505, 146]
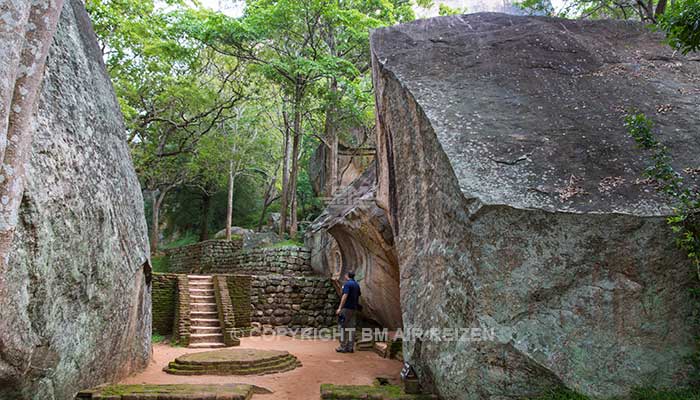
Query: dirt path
[321, 364]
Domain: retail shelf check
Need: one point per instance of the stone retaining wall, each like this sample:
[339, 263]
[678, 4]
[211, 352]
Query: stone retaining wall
[201, 257]
[164, 295]
[239, 292]
[293, 301]
[181, 324]
[291, 261]
[227, 317]
[227, 257]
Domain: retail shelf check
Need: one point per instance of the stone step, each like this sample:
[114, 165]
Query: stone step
[200, 277]
[194, 330]
[203, 307]
[202, 292]
[206, 338]
[381, 348]
[203, 315]
[202, 299]
[202, 322]
[202, 286]
[284, 366]
[206, 345]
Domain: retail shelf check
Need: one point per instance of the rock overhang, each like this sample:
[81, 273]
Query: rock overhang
[543, 124]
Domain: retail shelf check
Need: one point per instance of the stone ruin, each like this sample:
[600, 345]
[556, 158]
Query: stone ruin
[75, 290]
[233, 362]
[510, 200]
[217, 292]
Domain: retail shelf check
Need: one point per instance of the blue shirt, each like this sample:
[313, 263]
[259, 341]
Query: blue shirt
[352, 289]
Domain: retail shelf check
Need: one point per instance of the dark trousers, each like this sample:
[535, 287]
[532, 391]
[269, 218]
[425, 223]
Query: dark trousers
[347, 329]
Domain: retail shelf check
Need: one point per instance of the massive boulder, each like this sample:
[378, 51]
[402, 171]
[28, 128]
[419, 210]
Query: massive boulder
[518, 205]
[75, 309]
[353, 234]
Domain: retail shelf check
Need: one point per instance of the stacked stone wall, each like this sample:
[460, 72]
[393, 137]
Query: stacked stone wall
[293, 301]
[291, 261]
[227, 317]
[227, 257]
[164, 295]
[203, 256]
[181, 324]
[239, 288]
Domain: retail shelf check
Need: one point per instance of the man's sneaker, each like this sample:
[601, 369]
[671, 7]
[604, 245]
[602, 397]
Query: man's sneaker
[340, 350]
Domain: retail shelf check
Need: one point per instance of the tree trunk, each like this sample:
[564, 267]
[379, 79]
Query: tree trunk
[229, 207]
[295, 162]
[268, 197]
[158, 201]
[660, 8]
[204, 222]
[25, 50]
[332, 140]
[285, 180]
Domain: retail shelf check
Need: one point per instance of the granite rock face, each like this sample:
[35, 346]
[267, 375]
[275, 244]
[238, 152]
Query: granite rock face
[353, 234]
[517, 203]
[77, 312]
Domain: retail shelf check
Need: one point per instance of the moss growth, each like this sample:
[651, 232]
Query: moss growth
[561, 394]
[285, 243]
[637, 394]
[653, 394]
[384, 392]
[160, 264]
[232, 391]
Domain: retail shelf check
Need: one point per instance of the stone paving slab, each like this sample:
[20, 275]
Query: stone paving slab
[388, 392]
[232, 391]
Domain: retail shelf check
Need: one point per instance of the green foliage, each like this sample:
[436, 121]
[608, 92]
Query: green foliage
[186, 239]
[155, 338]
[685, 222]
[561, 394]
[537, 7]
[681, 22]
[286, 243]
[160, 264]
[446, 10]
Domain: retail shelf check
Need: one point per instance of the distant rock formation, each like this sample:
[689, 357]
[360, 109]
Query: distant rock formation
[75, 295]
[352, 160]
[517, 204]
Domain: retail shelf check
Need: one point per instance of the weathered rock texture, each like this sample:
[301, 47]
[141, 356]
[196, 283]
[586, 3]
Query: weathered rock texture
[353, 234]
[75, 310]
[354, 155]
[516, 201]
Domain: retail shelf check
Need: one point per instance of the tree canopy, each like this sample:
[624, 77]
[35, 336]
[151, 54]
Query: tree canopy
[223, 113]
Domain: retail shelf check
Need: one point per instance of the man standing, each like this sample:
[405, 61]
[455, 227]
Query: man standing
[349, 305]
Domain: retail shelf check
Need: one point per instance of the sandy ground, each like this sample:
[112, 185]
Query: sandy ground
[321, 364]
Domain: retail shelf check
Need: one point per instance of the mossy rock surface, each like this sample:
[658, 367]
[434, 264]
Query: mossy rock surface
[233, 362]
[385, 392]
[232, 391]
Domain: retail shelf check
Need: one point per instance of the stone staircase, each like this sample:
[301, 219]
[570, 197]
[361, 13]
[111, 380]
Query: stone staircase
[205, 328]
